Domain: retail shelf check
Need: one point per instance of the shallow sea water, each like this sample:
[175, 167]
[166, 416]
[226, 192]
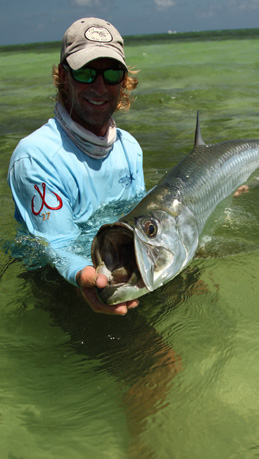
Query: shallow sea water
[178, 376]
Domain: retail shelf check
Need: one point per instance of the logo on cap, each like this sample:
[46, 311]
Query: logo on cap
[98, 34]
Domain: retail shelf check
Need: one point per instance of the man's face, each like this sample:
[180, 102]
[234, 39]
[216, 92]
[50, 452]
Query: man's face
[92, 105]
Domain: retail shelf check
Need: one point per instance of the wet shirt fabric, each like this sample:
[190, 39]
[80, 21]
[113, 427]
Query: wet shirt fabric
[55, 187]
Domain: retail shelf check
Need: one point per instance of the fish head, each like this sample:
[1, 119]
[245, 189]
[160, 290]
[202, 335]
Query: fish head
[164, 243]
[113, 254]
[140, 253]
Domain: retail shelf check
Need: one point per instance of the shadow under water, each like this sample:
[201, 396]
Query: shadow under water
[129, 348]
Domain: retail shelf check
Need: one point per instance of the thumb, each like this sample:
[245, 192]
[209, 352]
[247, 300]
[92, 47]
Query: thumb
[88, 277]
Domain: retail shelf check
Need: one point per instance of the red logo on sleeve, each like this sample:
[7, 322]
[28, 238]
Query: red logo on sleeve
[43, 202]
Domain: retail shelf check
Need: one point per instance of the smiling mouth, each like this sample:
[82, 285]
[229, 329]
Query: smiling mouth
[97, 102]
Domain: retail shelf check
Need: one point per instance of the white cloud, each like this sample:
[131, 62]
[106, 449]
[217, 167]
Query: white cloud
[241, 5]
[212, 8]
[208, 12]
[164, 4]
[86, 2]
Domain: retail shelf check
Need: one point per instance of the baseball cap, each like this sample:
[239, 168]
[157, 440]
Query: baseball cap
[91, 38]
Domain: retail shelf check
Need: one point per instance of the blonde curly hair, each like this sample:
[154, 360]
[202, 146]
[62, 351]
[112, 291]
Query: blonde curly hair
[129, 83]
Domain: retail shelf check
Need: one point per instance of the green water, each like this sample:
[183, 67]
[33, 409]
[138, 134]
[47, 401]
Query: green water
[178, 376]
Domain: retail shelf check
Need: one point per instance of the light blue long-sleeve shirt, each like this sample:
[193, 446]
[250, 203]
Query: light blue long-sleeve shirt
[55, 187]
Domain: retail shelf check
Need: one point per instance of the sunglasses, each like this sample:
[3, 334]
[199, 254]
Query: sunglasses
[88, 75]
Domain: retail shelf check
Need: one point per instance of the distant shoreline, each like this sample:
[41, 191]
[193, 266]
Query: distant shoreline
[204, 35]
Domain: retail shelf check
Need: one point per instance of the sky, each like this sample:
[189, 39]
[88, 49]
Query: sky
[33, 21]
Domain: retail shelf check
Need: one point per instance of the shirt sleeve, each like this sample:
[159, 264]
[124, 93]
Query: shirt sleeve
[44, 205]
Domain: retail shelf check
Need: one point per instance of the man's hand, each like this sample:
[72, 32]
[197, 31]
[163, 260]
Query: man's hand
[87, 280]
[242, 189]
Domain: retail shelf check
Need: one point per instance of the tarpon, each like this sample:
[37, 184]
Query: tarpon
[156, 240]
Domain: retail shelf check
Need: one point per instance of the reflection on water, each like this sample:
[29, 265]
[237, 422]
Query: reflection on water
[71, 355]
[149, 382]
[141, 364]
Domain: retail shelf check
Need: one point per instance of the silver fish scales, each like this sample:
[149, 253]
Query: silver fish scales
[156, 240]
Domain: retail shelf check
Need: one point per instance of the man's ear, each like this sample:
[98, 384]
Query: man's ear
[63, 75]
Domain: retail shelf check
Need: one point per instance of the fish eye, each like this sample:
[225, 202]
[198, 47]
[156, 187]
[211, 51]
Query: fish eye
[150, 228]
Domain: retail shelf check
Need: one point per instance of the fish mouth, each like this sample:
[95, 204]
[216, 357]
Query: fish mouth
[113, 254]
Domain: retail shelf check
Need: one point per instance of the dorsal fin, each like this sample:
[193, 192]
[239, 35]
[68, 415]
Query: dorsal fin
[198, 137]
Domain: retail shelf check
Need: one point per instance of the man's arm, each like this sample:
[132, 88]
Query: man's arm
[46, 210]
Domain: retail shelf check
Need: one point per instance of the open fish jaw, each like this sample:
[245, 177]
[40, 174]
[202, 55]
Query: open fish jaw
[113, 255]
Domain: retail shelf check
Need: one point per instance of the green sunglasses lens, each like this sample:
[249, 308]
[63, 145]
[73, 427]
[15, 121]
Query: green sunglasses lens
[84, 75]
[113, 76]
[87, 75]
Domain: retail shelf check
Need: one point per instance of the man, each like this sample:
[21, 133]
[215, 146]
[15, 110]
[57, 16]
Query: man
[61, 173]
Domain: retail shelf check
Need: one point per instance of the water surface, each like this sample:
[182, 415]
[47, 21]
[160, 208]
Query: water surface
[178, 376]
